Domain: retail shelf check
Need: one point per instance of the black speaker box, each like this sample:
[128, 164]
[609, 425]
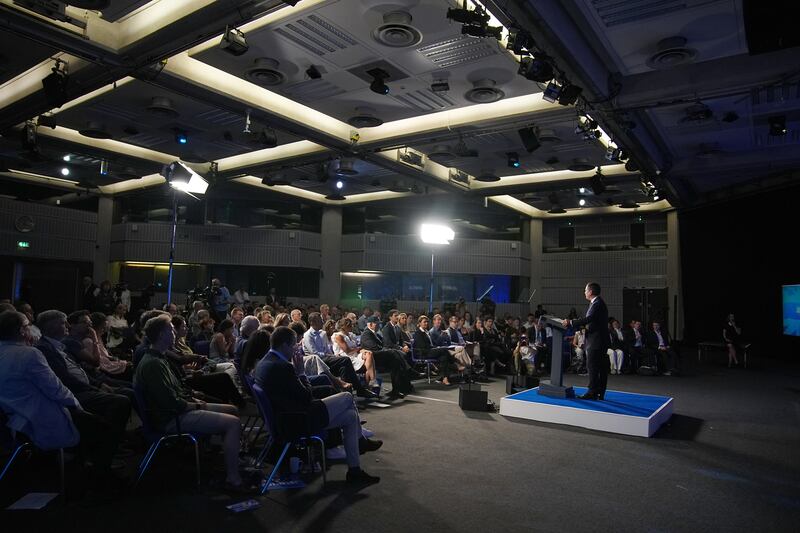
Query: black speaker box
[472, 398]
[529, 139]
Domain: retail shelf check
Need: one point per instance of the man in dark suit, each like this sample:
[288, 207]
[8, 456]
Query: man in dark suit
[281, 373]
[391, 333]
[597, 342]
[394, 360]
[658, 342]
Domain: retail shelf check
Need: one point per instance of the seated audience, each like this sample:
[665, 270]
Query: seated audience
[236, 317]
[616, 351]
[493, 350]
[579, 345]
[524, 357]
[636, 346]
[281, 373]
[388, 358]
[437, 332]
[316, 342]
[345, 345]
[424, 348]
[114, 367]
[119, 332]
[26, 309]
[658, 341]
[171, 409]
[221, 348]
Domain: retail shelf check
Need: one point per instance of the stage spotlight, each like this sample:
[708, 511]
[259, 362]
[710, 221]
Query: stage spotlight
[482, 31]
[183, 178]
[104, 167]
[55, 85]
[378, 84]
[47, 121]
[519, 41]
[513, 159]
[597, 183]
[265, 137]
[631, 165]
[777, 125]
[536, 69]
[529, 139]
[313, 73]
[65, 171]
[181, 137]
[552, 92]
[67, 158]
[569, 94]
[582, 190]
[582, 202]
[463, 15]
[234, 42]
[339, 184]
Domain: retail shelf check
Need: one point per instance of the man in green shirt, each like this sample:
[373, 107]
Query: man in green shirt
[167, 402]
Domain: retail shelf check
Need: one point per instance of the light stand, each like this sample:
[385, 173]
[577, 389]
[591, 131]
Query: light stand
[435, 234]
[172, 244]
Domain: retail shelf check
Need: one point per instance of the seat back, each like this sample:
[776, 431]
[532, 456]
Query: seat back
[416, 359]
[150, 432]
[264, 405]
[202, 347]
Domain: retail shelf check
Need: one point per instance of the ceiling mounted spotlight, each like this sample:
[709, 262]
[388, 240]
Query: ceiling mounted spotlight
[55, 85]
[181, 177]
[519, 41]
[233, 41]
[47, 121]
[482, 31]
[65, 171]
[463, 15]
[536, 69]
[346, 167]
[557, 210]
[266, 138]
[462, 150]
[313, 72]
[339, 184]
[277, 178]
[552, 92]
[94, 130]
[597, 183]
[336, 195]
[569, 94]
[513, 159]
[629, 204]
[364, 118]
[379, 77]
[580, 164]
[589, 129]
[181, 137]
[582, 202]
[161, 106]
[777, 125]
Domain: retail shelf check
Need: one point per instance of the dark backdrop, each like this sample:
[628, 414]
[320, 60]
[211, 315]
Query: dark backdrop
[736, 256]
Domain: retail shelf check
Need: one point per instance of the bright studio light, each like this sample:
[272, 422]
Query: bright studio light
[184, 178]
[436, 234]
[339, 184]
[65, 171]
[582, 202]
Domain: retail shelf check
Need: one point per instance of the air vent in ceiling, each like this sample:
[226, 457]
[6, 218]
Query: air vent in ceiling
[265, 72]
[313, 90]
[458, 50]
[220, 117]
[193, 157]
[161, 106]
[397, 31]
[95, 130]
[114, 111]
[364, 118]
[671, 53]
[484, 92]
[317, 35]
[425, 100]
[144, 139]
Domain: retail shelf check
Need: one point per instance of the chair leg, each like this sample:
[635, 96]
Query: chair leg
[265, 487]
[145, 464]
[196, 458]
[61, 473]
[13, 457]
[428, 366]
[264, 452]
[322, 454]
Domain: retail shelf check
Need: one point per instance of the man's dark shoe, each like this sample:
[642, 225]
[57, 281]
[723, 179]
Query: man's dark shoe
[366, 393]
[588, 396]
[368, 445]
[356, 476]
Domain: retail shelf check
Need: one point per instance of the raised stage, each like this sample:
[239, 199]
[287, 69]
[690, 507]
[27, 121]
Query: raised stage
[626, 413]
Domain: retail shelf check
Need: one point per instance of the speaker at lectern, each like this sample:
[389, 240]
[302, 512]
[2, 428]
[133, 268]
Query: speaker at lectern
[555, 386]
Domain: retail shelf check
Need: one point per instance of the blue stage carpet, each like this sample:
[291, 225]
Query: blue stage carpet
[616, 402]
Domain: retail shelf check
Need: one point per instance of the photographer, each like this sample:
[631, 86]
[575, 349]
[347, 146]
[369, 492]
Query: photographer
[524, 357]
[220, 300]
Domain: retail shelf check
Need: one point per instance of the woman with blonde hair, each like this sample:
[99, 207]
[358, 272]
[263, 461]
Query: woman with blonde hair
[344, 344]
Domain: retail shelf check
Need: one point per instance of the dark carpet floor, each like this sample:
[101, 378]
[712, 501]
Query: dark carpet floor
[728, 460]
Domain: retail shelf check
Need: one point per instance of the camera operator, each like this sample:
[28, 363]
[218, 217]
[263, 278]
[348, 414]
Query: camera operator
[524, 357]
[122, 294]
[220, 300]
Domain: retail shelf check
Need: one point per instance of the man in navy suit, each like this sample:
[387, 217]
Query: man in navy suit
[597, 342]
[281, 373]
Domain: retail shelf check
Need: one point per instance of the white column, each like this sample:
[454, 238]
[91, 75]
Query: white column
[330, 280]
[102, 249]
[674, 283]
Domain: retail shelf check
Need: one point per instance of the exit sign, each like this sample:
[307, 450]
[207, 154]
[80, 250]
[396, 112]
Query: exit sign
[23, 244]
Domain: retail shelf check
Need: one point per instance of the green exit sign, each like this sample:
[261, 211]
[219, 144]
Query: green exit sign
[23, 244]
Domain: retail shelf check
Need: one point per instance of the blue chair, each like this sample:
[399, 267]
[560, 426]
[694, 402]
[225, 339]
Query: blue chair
[265, 406]
[155, 437]
[7, 440]
[202, 347]
[427, 362]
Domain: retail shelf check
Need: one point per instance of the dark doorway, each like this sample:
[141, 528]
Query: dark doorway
[645, 305]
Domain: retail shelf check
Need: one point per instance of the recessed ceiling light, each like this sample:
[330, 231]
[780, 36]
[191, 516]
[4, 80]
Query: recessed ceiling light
[339, 184]
[582, 202]
[65, 171]
[67, 158]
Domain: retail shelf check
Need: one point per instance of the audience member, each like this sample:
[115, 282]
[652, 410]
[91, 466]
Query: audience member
[390, 358]
[425, 349]
[109, 364]
[344, 344]
[616, 350]
[658, 341]
[220, 300]
[281, 373]
[732, 335]
[316, 342]
[33, 331]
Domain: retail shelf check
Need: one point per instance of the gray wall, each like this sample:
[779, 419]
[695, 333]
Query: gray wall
[216, 244]
[409, 254]
[59, 233]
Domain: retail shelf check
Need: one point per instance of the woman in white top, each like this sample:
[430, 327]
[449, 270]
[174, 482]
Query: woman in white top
[615, 353]
[117, 324]
[579, 343]
[344, 344]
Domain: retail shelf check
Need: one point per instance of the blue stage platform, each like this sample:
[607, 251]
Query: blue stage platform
[626, 413]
